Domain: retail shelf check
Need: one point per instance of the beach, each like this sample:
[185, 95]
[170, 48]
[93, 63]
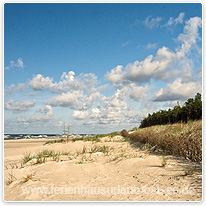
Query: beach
[110, 170]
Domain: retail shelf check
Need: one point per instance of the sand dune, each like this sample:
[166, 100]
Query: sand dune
[121, 171]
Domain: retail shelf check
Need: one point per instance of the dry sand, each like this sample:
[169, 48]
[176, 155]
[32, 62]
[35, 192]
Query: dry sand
[124, 167]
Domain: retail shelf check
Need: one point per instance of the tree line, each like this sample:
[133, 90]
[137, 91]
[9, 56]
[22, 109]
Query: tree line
[191, 110]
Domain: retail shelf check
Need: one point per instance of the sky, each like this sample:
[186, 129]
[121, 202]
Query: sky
[97, 67]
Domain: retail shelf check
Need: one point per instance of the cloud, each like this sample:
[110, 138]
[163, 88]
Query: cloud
[68, 82]
[189, 37]
[151, 67]
[178, 90]
[13, 88]
[125, 44]
[116, 75]
[23, 105]
[43, 118]
[68, 76]
[111, 117]
[105, 116]
[152, 22]
[162, 66]
[45, 114]
[79, 114]
[69, 99]
[138, 93]
[95, 112]
[76, 92]
[150, 46]
[112, 111]
[41, 83]
[117, 100]
[178, 20]
[75, 100]
[19, 64]
[47, 110]
[87, 101]
[186, 66]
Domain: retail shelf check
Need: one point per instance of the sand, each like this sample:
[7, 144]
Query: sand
[123, 173]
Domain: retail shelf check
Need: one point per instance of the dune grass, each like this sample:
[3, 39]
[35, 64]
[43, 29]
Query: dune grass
[27, 157]
[54, 141]
[96, 138]
[42, 156]
[181, 139]
[90, 138]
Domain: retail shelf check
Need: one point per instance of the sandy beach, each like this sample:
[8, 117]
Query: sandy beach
[82, 165]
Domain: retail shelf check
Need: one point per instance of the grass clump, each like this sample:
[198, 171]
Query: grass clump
[89, 138]
[78, 139]
[93, 139]
[96, 138]
[42, 156]
[55, 141]
[45, 153]
[105, 149]
[27, 157]
[94, 149]
[112, 134]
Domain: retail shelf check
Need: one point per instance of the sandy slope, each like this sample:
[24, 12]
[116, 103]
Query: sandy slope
[125, 167]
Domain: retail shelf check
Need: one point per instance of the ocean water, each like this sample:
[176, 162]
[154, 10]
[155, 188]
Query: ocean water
[40, 136]
[30, 136]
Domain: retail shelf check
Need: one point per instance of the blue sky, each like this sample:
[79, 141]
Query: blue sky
[98, 67]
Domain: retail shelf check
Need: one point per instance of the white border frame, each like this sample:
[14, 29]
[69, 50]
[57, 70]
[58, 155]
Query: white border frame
[2, 102]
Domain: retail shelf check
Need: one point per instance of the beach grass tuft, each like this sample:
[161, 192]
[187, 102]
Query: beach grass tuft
[55, 141]
[42, 156]
[89, 138]
[27, 157]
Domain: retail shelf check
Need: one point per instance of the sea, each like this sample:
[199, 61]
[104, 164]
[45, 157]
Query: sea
[41, 136]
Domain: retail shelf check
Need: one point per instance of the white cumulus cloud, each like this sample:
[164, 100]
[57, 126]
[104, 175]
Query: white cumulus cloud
[69, 99]
[79, 114]
[68, 82]
[189, 37]
[39, 82]
[178, 90]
